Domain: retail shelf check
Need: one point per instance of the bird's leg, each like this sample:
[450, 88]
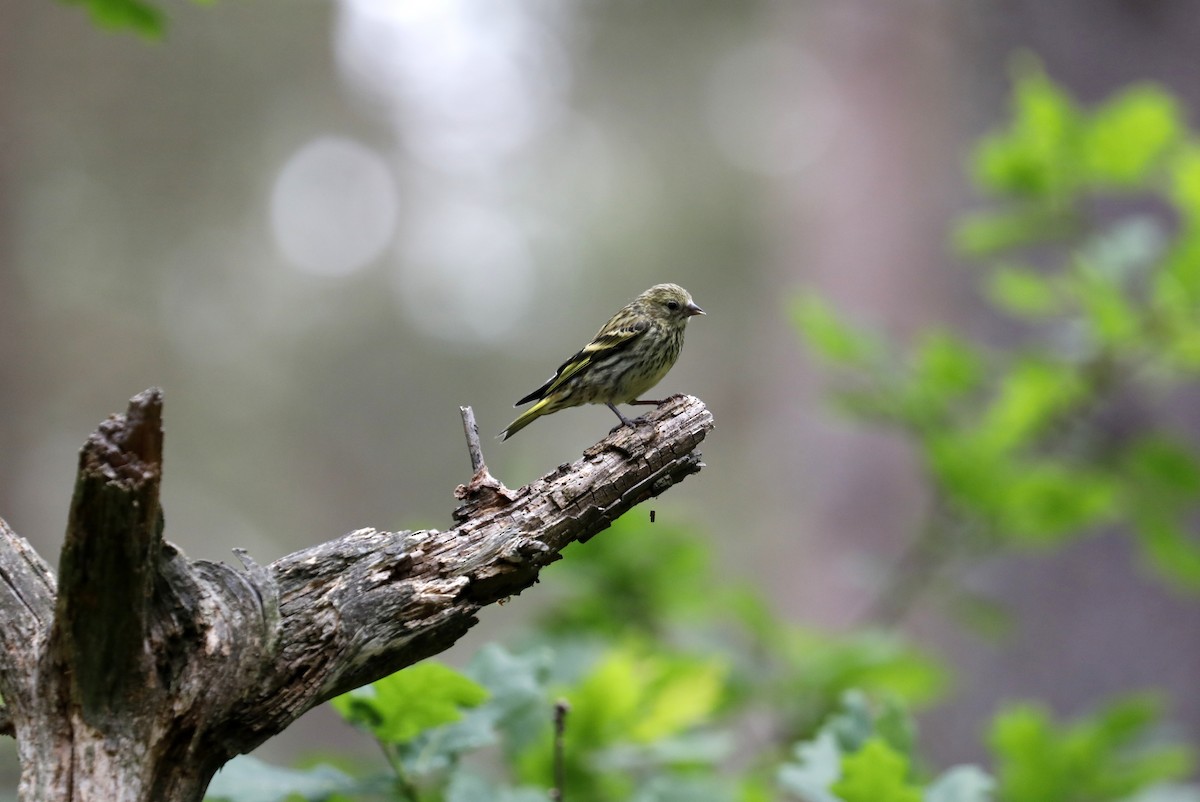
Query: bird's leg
[647, 402]
[626, 421]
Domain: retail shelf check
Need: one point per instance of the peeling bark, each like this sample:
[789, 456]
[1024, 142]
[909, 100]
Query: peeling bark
[143, 672]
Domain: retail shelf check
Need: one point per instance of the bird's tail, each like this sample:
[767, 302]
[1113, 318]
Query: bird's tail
[527, 417]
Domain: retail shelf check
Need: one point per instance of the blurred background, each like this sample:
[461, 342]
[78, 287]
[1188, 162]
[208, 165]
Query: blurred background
[322, 226]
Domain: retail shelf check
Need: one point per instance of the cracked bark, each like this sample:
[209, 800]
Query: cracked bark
[142, 672]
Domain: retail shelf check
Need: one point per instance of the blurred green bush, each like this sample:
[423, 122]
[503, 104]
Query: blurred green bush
[684, 685]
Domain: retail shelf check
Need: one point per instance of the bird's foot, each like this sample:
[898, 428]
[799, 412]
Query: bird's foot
[635, 423]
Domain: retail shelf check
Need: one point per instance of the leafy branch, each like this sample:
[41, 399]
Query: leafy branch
[1091, 240]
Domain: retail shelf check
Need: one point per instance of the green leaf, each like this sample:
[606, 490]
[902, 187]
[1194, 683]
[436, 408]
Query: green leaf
[636, 708]
[1036, 157]
[864, 743]
[1026, 500]
[944, 369]
[985, 234]
[1030, 768]
[691, 749]
[1045, 500]
[1185, 183]
[830, 665]
[682, 700]
[1111, 314]
[608, 700]
[614, 587]
[961, 784]
[757, 788]
[1030, 397]
[972, 471]
[518, 703]
[1174, 317]
[134, 15]
[818, 766]
[248, 779]
[861, 718]
[467, 787]
[669, 788]
[853, 723]
[1099, 758]
[1177, 283]
[398, 708]
[1167, 792]
[1130, 134]
[1023, 292]
[1163, 471]
[876, 773]
[831, 337]
[646, 697]
[1162, 488]
[1169, 549]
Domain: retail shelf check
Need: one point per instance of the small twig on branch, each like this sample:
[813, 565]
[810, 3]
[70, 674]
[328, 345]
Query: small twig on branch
[483, 489]
[561, 708]
[473, 446]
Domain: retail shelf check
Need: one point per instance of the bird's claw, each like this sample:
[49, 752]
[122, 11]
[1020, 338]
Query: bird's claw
[635, 423]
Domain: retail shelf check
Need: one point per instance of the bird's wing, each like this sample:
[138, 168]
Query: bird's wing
[610, 340]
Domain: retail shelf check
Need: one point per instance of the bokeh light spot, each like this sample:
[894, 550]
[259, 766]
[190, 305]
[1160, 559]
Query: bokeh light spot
[467, 83]
[334, 207]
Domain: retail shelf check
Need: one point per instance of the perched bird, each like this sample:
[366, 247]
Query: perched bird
[630, 354]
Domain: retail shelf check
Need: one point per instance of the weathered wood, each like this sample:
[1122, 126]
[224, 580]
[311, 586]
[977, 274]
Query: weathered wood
[144, 672]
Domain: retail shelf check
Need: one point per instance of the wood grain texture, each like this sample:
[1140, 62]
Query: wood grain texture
[143, 672]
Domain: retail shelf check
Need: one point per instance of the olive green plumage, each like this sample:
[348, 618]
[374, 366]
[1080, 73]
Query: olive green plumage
[630, 354]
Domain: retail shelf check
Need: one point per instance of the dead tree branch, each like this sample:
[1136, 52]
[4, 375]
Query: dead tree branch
[143, 672]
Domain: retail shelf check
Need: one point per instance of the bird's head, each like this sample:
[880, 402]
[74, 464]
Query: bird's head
[670, 301]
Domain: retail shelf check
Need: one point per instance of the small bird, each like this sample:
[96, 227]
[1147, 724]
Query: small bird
[630, 354]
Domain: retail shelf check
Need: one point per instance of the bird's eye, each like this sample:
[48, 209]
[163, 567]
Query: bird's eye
[673, 306]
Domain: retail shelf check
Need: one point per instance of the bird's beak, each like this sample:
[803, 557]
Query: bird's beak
[692, 309]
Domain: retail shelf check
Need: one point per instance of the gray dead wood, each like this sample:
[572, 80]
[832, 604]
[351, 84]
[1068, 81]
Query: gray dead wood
[142, 672]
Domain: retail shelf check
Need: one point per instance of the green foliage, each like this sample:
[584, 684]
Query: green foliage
[674, 600]
[248, 779]
[1038, 156]
[400, 707]
[1054, 150]
[1103, 757]
[618, 588]
[817, 670]
[633, 713]
[863, 753]
[875, 773]
[140, 17]
[961, 784]
[855, 757]
[1130, 135]
[1023, 291]
[673, 673]
[1163, 482]
[659, 718]
[830, 337]
[1017, 445]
